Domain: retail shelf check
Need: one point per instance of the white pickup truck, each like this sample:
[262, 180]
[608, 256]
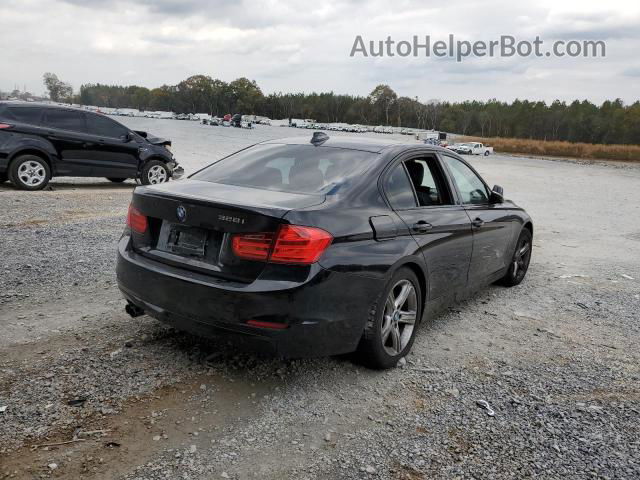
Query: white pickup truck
[472, 148]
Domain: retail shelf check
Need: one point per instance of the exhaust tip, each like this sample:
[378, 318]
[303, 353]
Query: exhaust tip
[133, 310]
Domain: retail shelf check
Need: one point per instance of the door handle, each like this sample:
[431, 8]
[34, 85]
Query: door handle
[477, 223]
[421, 227]
[88, 144]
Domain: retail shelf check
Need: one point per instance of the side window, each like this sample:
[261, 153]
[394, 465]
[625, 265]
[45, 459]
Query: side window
[105, 127]
[65, 120]
[428, 182]
[398, 189]
[29, 115]
[471, 188]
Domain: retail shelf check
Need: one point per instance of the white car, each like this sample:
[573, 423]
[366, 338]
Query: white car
[472, 148]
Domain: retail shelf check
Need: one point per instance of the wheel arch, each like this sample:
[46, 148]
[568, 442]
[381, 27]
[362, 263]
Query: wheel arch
[419, 272]
[32, 151]
[529, 226]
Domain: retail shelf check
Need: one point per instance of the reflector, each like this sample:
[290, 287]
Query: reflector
[263, 324]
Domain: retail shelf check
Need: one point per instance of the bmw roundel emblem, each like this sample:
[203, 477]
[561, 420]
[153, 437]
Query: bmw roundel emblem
[181, 213]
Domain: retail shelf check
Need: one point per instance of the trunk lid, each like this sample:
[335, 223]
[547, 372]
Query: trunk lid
[191, 224]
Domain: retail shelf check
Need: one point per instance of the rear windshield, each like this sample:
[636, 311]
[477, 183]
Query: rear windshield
[289, 168]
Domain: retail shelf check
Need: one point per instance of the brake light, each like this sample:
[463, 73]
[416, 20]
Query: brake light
[136, 220]
[293, 244]
[5, 125]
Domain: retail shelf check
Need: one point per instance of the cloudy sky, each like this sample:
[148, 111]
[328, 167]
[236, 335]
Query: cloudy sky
[304, 46]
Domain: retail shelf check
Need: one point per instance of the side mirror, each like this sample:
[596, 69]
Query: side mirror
[127, 137]
[497, 194]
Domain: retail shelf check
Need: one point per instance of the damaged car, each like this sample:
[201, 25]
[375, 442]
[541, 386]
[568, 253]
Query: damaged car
[310, 248]
[42, 141]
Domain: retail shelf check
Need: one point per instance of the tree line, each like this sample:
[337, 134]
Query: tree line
[577, 121]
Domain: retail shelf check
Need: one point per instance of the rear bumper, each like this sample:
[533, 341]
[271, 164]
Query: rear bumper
[324, 314]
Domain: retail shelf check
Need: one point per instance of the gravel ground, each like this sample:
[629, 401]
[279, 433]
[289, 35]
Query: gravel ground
[92, 393]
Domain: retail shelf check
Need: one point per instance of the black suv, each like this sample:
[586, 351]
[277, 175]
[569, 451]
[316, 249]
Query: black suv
[40, 141]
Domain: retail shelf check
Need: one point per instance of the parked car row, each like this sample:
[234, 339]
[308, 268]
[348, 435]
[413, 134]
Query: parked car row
[333, 127]
[236, 120]
[42, 141]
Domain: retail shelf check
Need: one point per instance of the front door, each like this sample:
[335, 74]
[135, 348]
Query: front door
[112, 153]
[492, 225]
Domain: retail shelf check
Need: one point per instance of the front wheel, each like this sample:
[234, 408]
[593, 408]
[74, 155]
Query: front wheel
[154, 172]
[29, 172]
[520, 260]
[393, 322]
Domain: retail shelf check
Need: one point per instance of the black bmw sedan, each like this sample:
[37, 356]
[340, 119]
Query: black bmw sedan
[322, 247]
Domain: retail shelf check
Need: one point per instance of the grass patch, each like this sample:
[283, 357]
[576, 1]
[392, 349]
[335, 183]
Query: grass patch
[624, 153]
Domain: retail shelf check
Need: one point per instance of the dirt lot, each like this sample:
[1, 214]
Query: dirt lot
[92, 393]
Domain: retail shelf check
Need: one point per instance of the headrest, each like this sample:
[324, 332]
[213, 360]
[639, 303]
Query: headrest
[416, 172]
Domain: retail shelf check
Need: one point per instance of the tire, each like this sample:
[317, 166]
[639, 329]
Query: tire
[154, 172]
[381, 350]
[29, 172]
[520, 260]
[486, 153]
[3, 177]
[116, 180]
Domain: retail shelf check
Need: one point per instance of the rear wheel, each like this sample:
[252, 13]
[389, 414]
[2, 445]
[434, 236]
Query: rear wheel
[520, 260]
[28, 172]
[486, 153]
[154, 172]
[116, 180]
[391, 330]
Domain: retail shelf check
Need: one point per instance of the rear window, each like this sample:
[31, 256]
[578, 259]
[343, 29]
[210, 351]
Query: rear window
[65, 120]
[21, 114]
[289, 168]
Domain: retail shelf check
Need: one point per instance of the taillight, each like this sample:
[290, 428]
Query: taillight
[292, 244]
[252, 246]
[136, 220]
[5, 125]
[296, 244]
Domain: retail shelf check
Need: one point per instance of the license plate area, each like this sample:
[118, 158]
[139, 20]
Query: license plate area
[188, 241]
[183, 241]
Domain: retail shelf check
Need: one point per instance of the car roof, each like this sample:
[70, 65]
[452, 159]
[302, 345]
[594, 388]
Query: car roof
[38, 104]
[367, 144]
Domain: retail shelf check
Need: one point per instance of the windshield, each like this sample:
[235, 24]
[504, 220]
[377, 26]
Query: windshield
[289, 168]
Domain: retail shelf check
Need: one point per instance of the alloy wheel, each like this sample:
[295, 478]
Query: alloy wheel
[32, 173]
[521, 259]
[399, 318]
[157, 174]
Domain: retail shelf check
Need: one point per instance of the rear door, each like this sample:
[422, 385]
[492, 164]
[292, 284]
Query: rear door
[441, 228]
[67, 132]
[491, 224]
[111, 153]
